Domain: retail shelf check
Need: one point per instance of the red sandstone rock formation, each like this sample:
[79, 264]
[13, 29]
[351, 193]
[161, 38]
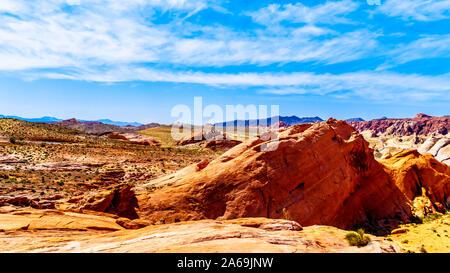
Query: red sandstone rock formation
[323, 173]
[208, 133]
[421, 124]
[119, 200]
[134, 139]
[58, 231]
[221, 145]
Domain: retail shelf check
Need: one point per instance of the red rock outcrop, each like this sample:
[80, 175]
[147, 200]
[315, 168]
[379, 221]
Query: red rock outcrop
[134, 138]
[221, 145]
[323, 173]
[421, 124]
[207, 133]
[120, 200]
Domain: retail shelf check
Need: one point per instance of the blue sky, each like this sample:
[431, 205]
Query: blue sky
[103, 59]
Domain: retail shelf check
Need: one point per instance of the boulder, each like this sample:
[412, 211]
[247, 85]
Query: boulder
[207, 133]
[120, 200]
[221, 145]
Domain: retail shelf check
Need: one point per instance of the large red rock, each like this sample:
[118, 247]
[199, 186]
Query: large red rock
[323, 173]
[119, 200]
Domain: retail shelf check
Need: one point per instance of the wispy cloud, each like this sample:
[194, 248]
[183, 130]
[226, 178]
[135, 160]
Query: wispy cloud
[44, 35]
[328, 13]
[431, 46]
[421, 10]
[427, 47]
[107, 41]
[377, 86]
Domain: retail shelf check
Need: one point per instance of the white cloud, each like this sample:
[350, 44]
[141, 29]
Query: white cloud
[105, 41]
[10, 6]
[110, 33]
[327, 13]
[377, 86]
[427, 47]
[420, 10]
[430, 46]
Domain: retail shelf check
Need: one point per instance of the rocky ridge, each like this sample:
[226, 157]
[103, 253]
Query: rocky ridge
[421, 124]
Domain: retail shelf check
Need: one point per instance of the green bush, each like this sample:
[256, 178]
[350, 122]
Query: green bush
[432, 216]
[358, 238]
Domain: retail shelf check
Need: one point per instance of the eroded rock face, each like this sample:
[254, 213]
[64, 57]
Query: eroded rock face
[438, 146]
[208, 236]
[323, 173]
[221, 145]
[421, 124]
[207, 133]
[38, 220]
[120, 200]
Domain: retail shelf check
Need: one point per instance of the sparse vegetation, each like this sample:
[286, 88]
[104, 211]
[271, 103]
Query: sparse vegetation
[286, 214]
[57, 160]
[432, 216]
[358, 238]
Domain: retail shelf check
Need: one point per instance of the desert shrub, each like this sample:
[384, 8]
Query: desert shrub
[431, 217]
[358, 238]
[286, 215]
[423, 250]
[12, 140]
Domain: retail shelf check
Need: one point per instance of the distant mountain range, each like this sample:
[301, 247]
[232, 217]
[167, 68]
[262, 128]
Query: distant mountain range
[288, 120]
[269, 121]
[354, 119]
[53, 119]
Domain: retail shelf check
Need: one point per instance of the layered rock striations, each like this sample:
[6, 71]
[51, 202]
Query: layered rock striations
[421, 124]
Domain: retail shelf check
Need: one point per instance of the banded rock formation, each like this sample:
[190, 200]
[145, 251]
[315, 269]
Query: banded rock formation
[58, 231]
[438, 146]
[421, 124]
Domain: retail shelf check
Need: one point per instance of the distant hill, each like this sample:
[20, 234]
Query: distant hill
[119, 123]
[93, 127]
[32, 131]
[42, 120]
[99, 128]
[354, 119]
[53, 120]
[292, 120]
